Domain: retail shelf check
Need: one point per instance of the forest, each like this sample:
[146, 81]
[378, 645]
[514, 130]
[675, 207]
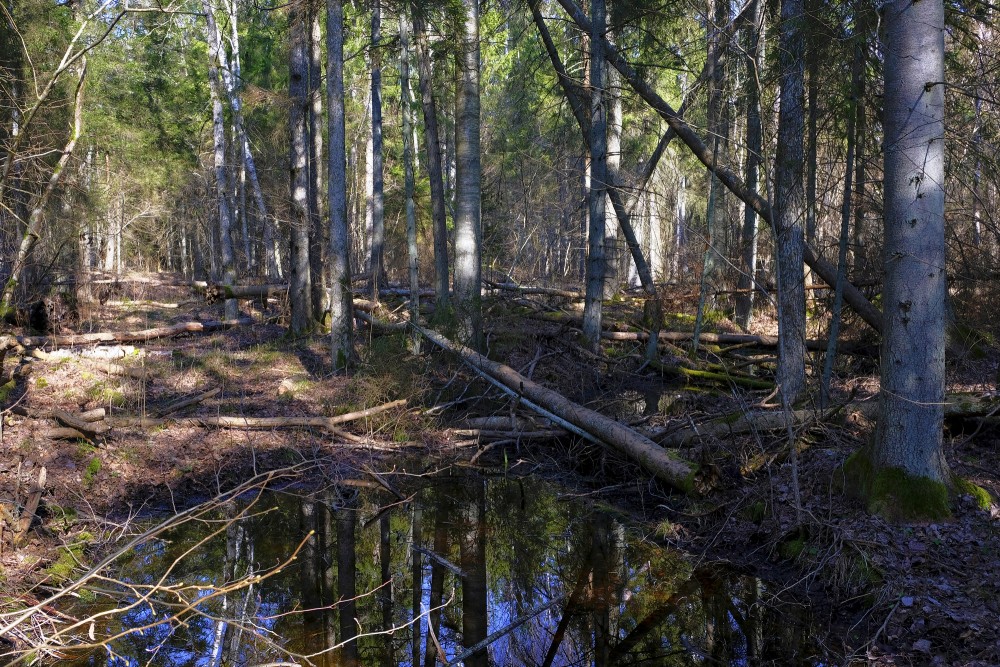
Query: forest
[499, 332]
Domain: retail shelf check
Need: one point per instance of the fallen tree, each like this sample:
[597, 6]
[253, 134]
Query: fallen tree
[129, 336]
[665, 466]
[327, 423]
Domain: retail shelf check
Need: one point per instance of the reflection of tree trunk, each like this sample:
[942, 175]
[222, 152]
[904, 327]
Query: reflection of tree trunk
[572, 608]
[385, 594]
[601, 592]
[346, 583]
[312, 598]
[472, 544]
[326, 536]
[437, 585]
[418, 586]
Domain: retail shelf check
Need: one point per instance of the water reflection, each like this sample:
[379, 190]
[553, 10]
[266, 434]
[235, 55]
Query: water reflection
[419, 583]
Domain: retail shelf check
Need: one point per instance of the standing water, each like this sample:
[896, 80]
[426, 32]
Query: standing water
[354, 576]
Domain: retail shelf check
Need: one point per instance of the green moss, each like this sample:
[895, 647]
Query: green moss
[41, 383]
[792, 549]
[982, 497]
[6, 388]
[90, 474]
[756, 512]
[894, 493]
[62, 569]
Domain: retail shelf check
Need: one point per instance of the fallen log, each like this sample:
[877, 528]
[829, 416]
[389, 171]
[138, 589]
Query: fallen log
[964, 406]
[133, 336]
[255, 422]
[215, 292]
[522, 289]
[664, 465]
[858, 349]
[30, 507]
[186, 402]
[95, 415]
[65, 433]
[91, 429]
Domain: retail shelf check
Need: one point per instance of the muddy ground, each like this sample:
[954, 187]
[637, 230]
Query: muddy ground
[908, 594]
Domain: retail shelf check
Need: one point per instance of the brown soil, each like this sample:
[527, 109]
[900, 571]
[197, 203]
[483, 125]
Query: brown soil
[893, 594]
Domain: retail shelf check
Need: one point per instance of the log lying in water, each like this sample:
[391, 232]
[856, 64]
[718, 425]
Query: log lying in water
[664, 465]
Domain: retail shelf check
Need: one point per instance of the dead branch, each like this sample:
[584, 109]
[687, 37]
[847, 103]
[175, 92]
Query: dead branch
[186, 402]
[30, 507]
[255, 422]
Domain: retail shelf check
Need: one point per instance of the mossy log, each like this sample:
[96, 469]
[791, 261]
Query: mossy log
[664, 465]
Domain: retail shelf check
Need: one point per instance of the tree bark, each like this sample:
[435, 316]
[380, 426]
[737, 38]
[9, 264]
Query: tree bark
[300, 287]
[754, 61]
[406, 103]
[433, 147]
[909, 435]
[319, 228]
[596, 245]
[468, 189]
[341, 308]
[376, 263]
[789, 204]
[216, 56]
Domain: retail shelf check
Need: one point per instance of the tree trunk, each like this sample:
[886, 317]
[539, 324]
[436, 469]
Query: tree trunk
[341, 309]
[596, 259]
[319, 240]
[468, 193]
[406, 102]
[433, 147]
[909, 436]
[300, 283]
[217, 60]
[376, 265]
[755, 64]
[789, 204]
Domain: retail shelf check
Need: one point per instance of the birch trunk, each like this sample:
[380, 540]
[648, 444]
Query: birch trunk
[300, 283]
[376, 264]
[909, 436]
[217, 61]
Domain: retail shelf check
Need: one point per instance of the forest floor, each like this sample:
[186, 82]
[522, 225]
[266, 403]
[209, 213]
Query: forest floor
[891, 594]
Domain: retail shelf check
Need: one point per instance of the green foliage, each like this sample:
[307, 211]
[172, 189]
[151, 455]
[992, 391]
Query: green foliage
[980, 496]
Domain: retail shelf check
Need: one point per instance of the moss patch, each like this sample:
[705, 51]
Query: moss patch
[980, 495]
[894, 493]
[71, 558]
